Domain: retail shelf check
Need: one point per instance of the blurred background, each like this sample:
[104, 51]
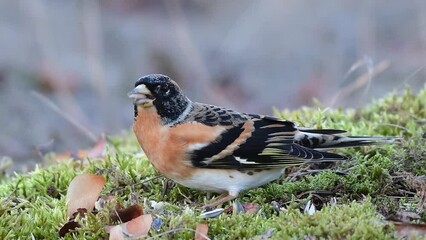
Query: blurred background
[66, 66]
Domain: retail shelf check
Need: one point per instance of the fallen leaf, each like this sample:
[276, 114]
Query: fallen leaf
[126, 214]
[138, 227]
[71, 225]
[62, 156]
[81, 212]
[115, 232]
[251, 207]
[83, 192]
[97, 151]
[407, 230]
[68, 227]
[201, 231]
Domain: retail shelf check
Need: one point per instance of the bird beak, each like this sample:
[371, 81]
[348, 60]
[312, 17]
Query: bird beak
[141, 96]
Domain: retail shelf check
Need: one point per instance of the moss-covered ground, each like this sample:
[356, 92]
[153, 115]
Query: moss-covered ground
[352, 198]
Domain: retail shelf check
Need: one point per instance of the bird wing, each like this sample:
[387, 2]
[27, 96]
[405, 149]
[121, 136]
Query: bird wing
[251, 142]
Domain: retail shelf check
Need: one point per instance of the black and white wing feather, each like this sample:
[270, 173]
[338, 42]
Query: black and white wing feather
[251, 142]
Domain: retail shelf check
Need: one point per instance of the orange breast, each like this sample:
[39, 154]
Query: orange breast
[166, 146]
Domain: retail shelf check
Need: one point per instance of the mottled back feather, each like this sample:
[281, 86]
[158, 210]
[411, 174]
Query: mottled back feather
[211, 115]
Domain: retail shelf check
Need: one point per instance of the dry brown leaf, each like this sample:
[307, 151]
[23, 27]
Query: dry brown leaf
[71, 225]
[251, 207]
[127, 214]
[136, 228]
[115, 232]
[68, 227]
[83, 192]
[201, 231]
[407, 230]
[139, 226]
[97, 151]
[62, 156]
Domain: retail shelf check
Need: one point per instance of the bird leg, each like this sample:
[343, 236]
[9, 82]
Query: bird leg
[225, 197]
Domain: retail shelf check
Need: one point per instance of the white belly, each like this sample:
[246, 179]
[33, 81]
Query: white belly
[231, 181]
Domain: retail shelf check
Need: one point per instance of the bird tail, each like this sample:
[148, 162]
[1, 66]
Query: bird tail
[331, 138]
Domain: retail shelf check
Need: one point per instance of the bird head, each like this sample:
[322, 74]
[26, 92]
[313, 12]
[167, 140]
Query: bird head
[159, 92]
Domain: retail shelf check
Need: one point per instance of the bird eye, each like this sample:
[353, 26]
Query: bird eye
[167, 92]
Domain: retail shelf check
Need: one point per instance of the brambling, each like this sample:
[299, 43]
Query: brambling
[216, 149]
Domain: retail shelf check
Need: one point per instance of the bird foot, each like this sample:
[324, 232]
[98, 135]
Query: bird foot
[219, 200]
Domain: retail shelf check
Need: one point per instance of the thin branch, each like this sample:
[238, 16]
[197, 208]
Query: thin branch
[360, 82]
[89, 134]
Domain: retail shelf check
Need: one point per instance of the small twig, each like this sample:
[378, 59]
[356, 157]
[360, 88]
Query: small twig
[39, 147]
[406, 191]
[91, 24]
[166, 185]
[411, 76]
[89, 134]
[135, 184]
[360, 81]
[187, 198]
[297, 174]
[118, 215]
[197, 66]
[401, 197]
[393, 125]
[294, 176]
[15, 189]
[313, 192]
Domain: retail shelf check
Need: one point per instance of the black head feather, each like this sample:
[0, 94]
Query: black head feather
[170, 101]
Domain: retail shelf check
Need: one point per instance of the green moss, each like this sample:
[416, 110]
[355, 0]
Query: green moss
[356, 220]
[33, 204]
